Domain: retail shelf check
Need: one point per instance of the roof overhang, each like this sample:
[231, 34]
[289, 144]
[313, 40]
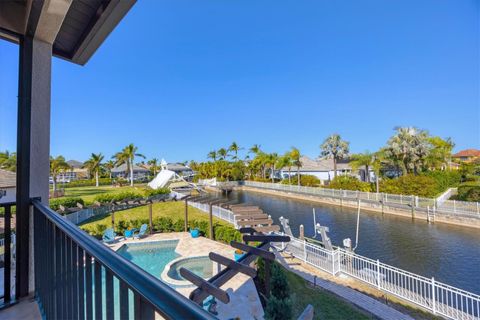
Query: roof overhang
[82, 25]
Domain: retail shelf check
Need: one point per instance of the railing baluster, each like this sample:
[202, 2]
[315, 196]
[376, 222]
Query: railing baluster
[81, 283]
[124, 312]
[143, 310]
[88, 287]
[74, 263]
[109, 298]
[69, 278]
[58, 274]
[7, 254]
[98, 291]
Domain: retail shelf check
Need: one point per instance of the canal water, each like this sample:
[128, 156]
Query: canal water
[450, 254]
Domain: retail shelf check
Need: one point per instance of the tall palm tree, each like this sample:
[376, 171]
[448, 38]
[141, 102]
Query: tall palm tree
[234, 148]
[377, 163]
[154, 165]
[271, 160]
[127, 156]
[336, 148]
[212, 155]
[109, 165]
[94, 165]
[255, 149]
[295, 156]
[222, 153]
[440, 153]
[57, 165]
[362, 160]
[408, 148]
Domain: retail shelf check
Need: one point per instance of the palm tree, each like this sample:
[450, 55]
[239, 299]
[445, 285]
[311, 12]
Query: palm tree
[127, 156]
[57, 165]
[336, 148]
[222, 153]
[362, 160]
[295, 156]
[234, 148]
[109, 165]
[212, 155]
[271, 160]
[408, 148]
[93, 165]
[440, 153]
[255, 149]
[154, 165]
[378, 160]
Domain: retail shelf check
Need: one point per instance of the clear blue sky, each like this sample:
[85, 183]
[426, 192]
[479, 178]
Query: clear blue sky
[179, 78]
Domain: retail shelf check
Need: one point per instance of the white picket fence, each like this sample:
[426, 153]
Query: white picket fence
[442, 206]
[437, 297]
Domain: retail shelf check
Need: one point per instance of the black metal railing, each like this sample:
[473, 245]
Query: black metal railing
[8, 296]
[77, 277]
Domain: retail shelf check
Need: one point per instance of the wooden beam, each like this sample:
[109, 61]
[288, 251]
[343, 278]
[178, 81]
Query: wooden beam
[272, 228]
[253, 250]
[254, 222]
[249, 271]
[245, 208]
[248, 213]
[205, 285]
[266, 238]
[250, 217]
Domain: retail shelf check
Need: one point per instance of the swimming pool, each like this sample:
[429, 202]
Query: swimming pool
[151, 256]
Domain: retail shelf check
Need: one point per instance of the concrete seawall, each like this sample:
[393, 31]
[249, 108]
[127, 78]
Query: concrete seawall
[378, 208]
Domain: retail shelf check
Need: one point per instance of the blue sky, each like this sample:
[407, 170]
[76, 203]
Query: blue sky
[180, 78]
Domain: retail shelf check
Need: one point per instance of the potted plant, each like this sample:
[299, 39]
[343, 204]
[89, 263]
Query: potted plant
[238, 254]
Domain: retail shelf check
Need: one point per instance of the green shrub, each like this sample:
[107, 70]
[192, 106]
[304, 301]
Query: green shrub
[89, 183]
[306, 180]
[108, 197]
[278, 309]
[227, 234]
[469, 191]
[423, 186]
[445, 179]
[349, 183]
[66, 202]
[149, 192]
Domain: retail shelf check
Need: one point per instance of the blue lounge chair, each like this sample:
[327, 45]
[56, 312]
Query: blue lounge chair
[109, 235]
[141, 233]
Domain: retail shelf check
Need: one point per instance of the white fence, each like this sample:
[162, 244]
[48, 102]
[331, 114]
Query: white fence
[442, 206]
[437, 297]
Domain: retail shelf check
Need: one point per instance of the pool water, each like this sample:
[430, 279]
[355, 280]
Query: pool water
[201, 266]
[151, 256]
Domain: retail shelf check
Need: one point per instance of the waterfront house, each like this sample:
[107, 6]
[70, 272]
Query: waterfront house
[468, 155]
[139, 172]
[7, 186]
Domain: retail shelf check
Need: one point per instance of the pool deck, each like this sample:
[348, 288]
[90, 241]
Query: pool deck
[244, 299]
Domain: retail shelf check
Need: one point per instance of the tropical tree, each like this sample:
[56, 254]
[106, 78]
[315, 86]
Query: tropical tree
[57, 165]
[408, 149]
[94, 164]
[440, 154]
[222, 153]
[283, 162]
[234, 148]
[295, 156]
[127, 156]
[255, 149]
[154, 166]
[8, 161]
[271, 160]
[336, 148]
[378, 160]
[109, 165]
[362, 160]
[212, 155]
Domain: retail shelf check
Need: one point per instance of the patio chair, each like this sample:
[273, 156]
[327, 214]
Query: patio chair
[141, 233]
[109, 236]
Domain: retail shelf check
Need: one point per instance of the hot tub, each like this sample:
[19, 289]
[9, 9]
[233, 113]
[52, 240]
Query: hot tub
[202, 266]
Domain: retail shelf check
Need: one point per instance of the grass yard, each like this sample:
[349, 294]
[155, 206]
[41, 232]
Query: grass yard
[89, 193]
[174, 210]
[325, 304]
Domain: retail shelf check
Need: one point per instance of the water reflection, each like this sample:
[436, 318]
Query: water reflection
[450, 254]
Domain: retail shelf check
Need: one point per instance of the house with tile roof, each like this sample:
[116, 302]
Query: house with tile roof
[468, 155]
[8, 183]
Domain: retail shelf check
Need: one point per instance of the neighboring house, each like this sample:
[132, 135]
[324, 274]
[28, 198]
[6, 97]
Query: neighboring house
[139, 172]
[320, 168]
[8, 183]
[76, 172]
[179, 169]
[468, 155]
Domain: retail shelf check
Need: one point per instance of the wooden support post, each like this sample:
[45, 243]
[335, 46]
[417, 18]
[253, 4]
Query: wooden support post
[113, 219]
[267, 277]
[210, 221]
[150, 209]
[186, 215]
[413, 207]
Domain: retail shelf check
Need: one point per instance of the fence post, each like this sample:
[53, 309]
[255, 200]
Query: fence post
[378, 274]
[454, 207]
[433, 296]
[412, 203]
[305, 251]
[478, 211]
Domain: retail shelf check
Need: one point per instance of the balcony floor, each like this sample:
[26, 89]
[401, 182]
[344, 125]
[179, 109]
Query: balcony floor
[26, 310]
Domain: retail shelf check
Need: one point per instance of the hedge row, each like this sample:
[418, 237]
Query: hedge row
[89, 183]
[145, 193]
[469, 191]
[223, 233]
[66, 202]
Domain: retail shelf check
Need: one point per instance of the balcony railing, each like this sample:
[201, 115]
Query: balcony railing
[7, 293]
[77, 277]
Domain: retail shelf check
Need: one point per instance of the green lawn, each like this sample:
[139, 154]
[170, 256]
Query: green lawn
[325, 304]
[173, 210]
[89, 193]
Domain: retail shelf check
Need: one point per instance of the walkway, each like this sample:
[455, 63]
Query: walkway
[359, 299]
[26, 310]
